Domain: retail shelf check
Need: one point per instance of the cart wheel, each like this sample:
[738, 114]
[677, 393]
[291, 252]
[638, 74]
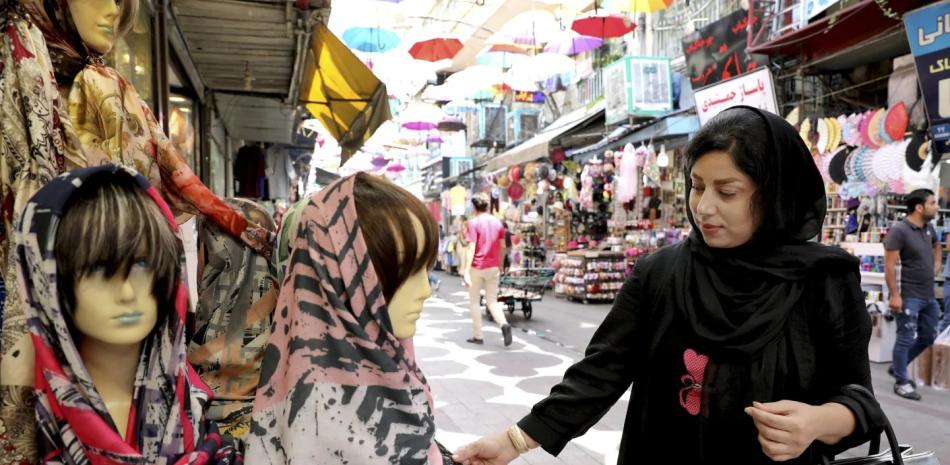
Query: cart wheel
[527, 312]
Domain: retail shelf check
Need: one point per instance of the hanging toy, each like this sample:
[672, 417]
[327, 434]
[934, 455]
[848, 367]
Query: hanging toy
[514, 173]
[504, 181]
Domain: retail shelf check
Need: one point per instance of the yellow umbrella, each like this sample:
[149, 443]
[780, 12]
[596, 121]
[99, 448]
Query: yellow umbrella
[342, 93]
[638, 6]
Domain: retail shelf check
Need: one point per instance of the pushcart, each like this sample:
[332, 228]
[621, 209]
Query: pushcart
[524, 286]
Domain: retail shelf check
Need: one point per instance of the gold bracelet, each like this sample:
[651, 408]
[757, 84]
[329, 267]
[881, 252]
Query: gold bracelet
[517, 439]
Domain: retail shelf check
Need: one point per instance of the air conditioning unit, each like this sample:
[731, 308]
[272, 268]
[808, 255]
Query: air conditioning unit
[523, 124]
[491, 130]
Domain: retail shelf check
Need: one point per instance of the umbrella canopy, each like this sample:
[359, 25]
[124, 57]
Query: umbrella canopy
[603, 26]
[638, 6]
[542, 66]
[402, 74]
[501, 56]
[437, 49]
[459, 106]
[434, 139]
[342, 93]
[370, 39]
[477, 76]
[420, 116]
[451, 124]
[534, 27]
[571, 43]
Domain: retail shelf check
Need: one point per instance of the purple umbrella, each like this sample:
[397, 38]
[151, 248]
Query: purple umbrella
[572, 43]
[434, 139]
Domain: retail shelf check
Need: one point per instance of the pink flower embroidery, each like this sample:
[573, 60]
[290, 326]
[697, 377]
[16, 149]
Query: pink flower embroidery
[691, 396]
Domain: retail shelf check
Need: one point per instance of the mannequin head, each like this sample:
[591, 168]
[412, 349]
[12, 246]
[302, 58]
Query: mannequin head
[99, 23]
[402, 241]
[115, 294]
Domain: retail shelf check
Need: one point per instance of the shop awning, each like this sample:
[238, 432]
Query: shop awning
[539, 145]
[838, 31]
[680, 123]
[342, 93]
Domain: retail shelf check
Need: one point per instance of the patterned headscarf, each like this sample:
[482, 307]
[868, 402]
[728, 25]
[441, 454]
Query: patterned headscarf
[38, 143]
[288, 232]
[74, 424]
[336, 384]
[235, 308]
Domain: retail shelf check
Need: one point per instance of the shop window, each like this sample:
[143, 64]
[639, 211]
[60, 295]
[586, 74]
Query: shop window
[132, 57]
[182, 121]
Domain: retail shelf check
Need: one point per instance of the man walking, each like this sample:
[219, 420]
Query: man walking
[914, 241]
[487, 235]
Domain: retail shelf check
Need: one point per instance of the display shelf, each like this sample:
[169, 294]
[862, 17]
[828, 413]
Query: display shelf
[589, 275]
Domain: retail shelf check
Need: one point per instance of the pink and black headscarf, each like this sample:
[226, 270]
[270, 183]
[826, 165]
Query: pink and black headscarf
[74, 427]
[336, 385]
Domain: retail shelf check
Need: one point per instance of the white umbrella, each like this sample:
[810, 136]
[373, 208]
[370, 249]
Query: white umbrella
[477, 77]
[420, 116]
[542, 66]
[534, 27]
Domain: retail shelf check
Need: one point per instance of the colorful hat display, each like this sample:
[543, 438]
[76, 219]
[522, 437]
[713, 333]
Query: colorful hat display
[916, 152]
[836, 166]
[834, 133]
[792, 116]
[515, 191]
[874, 128]
[895, 123]
[822, 129]
[805, 132]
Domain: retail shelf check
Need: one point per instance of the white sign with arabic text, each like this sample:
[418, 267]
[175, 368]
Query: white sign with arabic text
[754, 89]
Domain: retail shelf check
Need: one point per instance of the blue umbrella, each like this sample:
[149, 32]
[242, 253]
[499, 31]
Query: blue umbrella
[370, 39]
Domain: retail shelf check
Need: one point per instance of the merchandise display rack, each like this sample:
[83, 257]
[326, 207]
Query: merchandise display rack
[590, 276]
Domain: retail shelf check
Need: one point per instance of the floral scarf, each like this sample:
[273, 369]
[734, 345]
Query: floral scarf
[116, 126]
[37, 142]
[235, 309]
[74, 425]
[336, 385]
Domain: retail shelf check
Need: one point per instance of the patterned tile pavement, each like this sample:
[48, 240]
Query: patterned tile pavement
[481, 390]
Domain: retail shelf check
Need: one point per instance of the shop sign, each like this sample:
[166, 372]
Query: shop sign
[638, 86]
[527, 96]
[755, 89]
[719, 52]
[815, 7]
[928, 31]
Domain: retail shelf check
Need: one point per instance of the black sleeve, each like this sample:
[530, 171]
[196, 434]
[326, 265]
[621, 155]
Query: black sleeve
[851, 331]
[591, 386]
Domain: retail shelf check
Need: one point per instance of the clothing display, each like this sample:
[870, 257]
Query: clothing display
[250, 170]
[279, 171]
[332, 304]
[233, 320]
[165, 423]
[38, 144]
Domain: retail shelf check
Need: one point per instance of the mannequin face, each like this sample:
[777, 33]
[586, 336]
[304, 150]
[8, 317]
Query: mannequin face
[406, 305]
[95, 21]
[117, 310]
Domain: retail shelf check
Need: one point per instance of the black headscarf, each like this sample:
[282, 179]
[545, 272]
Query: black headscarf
[736, 302]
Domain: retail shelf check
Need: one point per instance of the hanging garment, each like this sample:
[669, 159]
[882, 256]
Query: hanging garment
[279, 171]
[233, 319]
[250, 166]
[75, 427]
[37, 143]
[628, 177]
[336, 385]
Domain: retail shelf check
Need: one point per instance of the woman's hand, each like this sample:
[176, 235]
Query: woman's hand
[491, 450]
[259, 239]
[787, 428]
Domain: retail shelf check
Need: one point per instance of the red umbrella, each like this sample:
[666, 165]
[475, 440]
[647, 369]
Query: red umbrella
[435, 49]
[603, 27]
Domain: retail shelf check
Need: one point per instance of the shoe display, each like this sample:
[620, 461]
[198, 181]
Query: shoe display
[475, 340]
[906, 391]
[506, 333]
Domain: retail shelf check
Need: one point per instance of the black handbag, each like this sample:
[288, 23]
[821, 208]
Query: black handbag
[897, 454]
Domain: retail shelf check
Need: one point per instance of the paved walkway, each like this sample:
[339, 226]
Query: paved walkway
[481, 390]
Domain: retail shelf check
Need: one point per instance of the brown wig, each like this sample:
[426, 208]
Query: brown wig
[112, 223]
[385, 213]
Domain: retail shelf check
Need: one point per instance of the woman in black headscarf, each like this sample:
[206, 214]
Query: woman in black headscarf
[740, 342]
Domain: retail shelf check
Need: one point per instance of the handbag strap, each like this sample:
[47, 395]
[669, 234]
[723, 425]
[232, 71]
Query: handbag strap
[896, 456]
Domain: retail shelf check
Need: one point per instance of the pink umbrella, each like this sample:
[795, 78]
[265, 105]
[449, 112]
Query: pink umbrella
[396, 168]
[572, 43]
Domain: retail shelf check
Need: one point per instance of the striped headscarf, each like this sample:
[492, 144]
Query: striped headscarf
[336, 384]
[233, 319]
[74, 425]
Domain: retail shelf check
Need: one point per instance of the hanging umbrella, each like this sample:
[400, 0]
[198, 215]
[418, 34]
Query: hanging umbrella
[420, 116]
[434, 139]
[534, 27]
[603, 26]
[571, 43]
[452, 124]
[379, 161]
[638, 6]
[520, 82]
[542, 66]
[396, 168]
[477, 76]
[459, 106]
[370, 39]
[437, 49]
[501, 55]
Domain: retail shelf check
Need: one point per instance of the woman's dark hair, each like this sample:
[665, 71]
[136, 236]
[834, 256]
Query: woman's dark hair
[111, 222]
[385, 213]
[917, 197]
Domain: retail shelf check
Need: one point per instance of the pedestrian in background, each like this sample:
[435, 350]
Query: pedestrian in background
[742, 342]
[914, 241]
[487, 236]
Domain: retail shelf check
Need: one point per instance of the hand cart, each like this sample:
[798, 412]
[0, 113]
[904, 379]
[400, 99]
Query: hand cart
[524, 286]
